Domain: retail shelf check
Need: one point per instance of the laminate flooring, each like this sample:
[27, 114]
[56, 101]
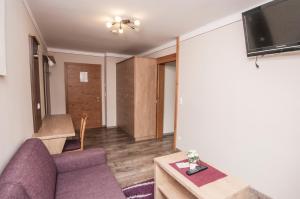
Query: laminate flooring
[131, 162]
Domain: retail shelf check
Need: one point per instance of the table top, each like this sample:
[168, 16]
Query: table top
[56, 126]
[227, 187]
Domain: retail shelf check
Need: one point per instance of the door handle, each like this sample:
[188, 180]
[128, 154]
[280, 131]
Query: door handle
[98, 99]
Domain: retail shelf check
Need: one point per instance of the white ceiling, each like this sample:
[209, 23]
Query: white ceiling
[80, 24]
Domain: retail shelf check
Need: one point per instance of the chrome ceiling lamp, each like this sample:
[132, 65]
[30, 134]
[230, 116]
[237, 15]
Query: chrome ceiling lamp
[118, 24]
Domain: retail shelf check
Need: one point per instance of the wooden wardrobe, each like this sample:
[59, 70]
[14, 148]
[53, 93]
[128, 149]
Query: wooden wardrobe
[136, 97]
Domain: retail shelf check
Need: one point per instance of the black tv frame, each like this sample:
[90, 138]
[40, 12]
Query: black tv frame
[269, 49]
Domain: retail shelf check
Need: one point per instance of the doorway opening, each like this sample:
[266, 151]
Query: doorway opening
[35, 83]
[166, 96]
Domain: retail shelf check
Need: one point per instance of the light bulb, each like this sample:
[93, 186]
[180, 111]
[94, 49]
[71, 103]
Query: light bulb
[121, 31]
[109, 24]
[118, 19]
[137, 22]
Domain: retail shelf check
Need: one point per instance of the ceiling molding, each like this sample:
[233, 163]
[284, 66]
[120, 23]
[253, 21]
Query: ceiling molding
[118, 55]
[212, 26]
[159, 48]
[26, 5]
[202, 30]
[75, 52]
[205, 29]
[218, 23]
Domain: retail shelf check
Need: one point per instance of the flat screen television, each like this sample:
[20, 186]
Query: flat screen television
[272, 28]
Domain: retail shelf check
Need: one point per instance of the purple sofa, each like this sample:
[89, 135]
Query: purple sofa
[33, 173]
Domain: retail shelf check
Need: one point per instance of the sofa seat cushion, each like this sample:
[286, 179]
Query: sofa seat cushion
[90, 183]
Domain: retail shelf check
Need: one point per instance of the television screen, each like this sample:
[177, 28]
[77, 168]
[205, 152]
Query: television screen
[273, 27]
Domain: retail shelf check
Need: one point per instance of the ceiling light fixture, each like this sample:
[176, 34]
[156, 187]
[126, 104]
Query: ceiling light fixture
[118, 24]
[118, 19]
[109, 24]
[137, 22]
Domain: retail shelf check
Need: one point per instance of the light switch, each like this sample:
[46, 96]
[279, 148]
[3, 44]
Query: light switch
[180, 100]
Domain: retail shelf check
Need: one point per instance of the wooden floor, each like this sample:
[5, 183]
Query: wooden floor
[131, 162]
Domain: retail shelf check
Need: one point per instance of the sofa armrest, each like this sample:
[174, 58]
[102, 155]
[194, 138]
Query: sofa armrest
[70, 161]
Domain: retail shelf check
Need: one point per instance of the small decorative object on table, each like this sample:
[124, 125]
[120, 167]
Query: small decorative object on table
[193, 158]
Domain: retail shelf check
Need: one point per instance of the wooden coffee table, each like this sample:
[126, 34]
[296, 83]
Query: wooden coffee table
[169, 183]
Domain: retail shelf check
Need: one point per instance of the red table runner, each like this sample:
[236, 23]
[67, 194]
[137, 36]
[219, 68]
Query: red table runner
[202, 178]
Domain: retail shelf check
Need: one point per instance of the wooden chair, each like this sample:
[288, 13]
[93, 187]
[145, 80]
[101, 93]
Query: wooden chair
[77, 144]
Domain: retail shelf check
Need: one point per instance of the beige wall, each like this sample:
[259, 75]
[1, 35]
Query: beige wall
[242, 119]
[111, 103]
[15, 88]
[2, 38]
[57, 79]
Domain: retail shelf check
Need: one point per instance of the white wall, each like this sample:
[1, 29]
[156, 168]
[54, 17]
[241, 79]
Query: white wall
[111, 96]
[15, 88]
[169, 97]
[244, 120]
[2, 38]
[57, 80]
[108, 78]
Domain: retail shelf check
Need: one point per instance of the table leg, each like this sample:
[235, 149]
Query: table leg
[55, 146]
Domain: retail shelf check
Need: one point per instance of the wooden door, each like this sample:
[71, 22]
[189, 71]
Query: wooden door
[35, 84]
[160, 101]
[145, 88]
[83, 93]
[125, 96]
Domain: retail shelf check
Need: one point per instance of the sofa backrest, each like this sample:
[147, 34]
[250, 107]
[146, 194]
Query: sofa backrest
[30, 173]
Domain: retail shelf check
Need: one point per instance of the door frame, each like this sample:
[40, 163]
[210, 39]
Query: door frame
[160, 98]
[46, 74]
[161, 61]
[66, 85]
[176, 92]
[35, 85]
